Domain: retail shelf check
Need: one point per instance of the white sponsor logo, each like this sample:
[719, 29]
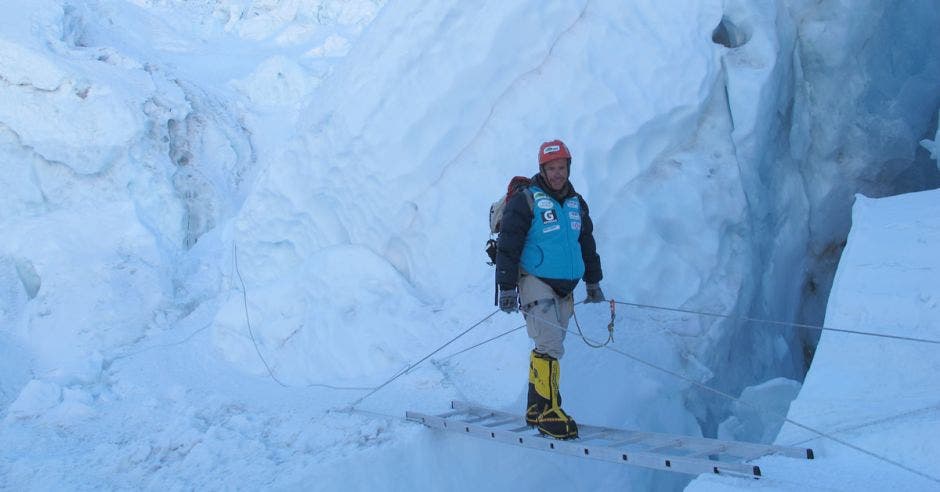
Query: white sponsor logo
[573, 203]
[576, 226]
[551, 148]
[538, 195]
[545, 204]
[551, 228]
[574, 215]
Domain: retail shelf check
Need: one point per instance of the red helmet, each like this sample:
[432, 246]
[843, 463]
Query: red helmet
[556, 149]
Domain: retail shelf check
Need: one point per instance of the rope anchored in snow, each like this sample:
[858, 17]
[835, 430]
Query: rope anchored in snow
[254, 342]
[251, 333]
[426, 357]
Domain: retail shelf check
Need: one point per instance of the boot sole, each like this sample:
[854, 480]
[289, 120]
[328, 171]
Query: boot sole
[564, 437]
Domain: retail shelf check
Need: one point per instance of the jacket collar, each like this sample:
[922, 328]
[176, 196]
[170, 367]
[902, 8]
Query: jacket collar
[559, 196]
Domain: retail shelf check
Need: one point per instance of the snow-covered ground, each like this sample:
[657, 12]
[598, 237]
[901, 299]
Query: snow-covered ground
[877, 394]
[225, 221]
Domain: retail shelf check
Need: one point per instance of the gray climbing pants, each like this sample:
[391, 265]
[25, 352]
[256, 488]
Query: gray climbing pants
[547, 311]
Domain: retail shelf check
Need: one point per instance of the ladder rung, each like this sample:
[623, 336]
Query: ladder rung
[709, 452]
[754, 456]
[632, 440]
[676, 444]
[479, 418]
[501, 422]
[451, 413]
[594, 435]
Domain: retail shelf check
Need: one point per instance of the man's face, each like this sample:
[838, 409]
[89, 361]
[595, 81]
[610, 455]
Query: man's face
[556, 173]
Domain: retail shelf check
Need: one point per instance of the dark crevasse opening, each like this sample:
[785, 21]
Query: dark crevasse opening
[845, 124]
[729, 35]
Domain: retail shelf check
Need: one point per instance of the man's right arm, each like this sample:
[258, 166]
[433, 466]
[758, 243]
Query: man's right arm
[517, 217]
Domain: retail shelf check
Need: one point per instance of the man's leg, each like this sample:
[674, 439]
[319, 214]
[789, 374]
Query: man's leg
[546, 313]
[547, 317]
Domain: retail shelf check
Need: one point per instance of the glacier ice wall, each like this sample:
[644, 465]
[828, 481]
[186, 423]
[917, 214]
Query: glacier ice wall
[420, 132]
[115, 168]
[719, 145]
[719, 148]
[827, 100]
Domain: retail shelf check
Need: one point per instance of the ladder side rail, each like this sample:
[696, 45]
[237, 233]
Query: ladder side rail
[733, 448]
[576, 448]
[651, 439]
[696, 444]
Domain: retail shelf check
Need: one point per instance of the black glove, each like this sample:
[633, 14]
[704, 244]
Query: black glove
[594, 293]
[509, 300]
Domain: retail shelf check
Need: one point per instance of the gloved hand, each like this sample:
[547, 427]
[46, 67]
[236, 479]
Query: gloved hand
[594, 293]
[509, 300]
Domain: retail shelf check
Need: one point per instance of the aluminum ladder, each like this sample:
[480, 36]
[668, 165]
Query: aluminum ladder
[675, 453]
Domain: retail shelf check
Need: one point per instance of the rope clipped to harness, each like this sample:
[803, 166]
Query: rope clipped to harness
[610, 327]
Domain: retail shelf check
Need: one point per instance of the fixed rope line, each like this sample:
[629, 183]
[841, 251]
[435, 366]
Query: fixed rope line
[484, 342]
[248, 319]
[781, 323]
[488, 340]
[653, 366]
[610, 326]
[426, 357]
[753, 406]
[375, 414]
[255, 342]
[879, 421]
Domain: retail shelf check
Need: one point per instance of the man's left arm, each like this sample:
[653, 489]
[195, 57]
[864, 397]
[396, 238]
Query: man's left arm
[592, 261]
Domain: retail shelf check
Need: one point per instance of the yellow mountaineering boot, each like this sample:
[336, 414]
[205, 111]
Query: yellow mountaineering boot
[537, 403]
[546, 403]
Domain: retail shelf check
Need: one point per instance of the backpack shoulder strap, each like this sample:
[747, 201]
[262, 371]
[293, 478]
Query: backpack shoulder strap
[528, 197]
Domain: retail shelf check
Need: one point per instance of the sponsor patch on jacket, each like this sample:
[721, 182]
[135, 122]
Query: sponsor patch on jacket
[548, 216]
[576, 226]
[539, 195]
[574, 215]
[551, 228]
[573, 203]
[544, 204]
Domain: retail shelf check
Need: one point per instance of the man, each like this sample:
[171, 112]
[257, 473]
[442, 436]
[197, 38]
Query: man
[545, 246]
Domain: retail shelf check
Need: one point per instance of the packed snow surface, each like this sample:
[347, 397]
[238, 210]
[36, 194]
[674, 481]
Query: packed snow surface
[873, 393]
[226, 221]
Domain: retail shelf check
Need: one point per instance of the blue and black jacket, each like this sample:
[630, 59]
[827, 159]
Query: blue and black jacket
[552, 239]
